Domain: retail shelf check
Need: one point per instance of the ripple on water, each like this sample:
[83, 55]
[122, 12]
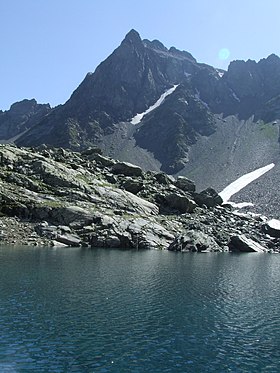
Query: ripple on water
[114, 311]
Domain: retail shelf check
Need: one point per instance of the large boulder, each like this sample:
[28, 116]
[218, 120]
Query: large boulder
[127, 169]
[180, 203]
[242, 243]
[185, 184]
[208, 197]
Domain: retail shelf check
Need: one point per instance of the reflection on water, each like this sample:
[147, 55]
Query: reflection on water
[77, 310]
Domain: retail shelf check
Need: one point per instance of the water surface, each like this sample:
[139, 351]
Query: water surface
[79, 310]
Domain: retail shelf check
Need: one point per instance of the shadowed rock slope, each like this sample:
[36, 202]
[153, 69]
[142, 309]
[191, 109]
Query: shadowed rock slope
[54, 196]
[21, 116]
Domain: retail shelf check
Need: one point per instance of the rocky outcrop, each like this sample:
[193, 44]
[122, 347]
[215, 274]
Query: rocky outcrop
[52, 196]
[208, 197]
[242, 243]
[20, 117]
[194, 241]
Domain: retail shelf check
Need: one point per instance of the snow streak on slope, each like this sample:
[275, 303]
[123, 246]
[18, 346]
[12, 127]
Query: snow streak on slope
[138, 117]
[243, 181]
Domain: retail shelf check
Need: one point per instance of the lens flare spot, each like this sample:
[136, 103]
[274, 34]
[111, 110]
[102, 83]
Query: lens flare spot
[224, 54]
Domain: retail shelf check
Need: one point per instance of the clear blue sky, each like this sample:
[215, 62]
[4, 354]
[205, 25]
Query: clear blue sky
[48, 46]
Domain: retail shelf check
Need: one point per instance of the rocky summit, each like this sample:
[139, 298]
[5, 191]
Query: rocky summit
[161, 109]
[53, 196]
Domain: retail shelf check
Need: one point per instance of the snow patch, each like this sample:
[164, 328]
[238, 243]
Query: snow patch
[274, 224]
[235, 96]
[138, 117]
[187, 75]
[243, 181]
[220, 73]
[240, 205]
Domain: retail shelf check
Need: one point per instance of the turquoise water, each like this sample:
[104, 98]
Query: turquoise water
[79, 310]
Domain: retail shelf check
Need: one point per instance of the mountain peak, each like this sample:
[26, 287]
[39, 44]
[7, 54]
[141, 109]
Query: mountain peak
[133, 36]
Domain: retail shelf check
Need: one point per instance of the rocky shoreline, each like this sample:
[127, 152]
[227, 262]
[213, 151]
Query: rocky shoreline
[56, 197]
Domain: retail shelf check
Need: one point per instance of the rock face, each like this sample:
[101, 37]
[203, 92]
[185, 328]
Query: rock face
[53, 196]
[21, 116]
[244, 244]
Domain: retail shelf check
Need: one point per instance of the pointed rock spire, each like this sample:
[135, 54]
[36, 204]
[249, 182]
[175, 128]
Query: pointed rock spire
[133, 36]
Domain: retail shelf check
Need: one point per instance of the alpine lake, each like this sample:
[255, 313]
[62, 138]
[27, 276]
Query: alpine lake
[100, 310]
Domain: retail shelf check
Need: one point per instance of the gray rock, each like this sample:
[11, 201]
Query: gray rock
[244, 244]
[68, 239]
[112, 242]
[185, 184]
[104, 161]
[208, 197]
[163, 178]
[181, 203]
[91, 150]
[127, 169]
[194, 241]
[133, 185]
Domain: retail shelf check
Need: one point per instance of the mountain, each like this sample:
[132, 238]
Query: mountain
[21, 116]
[129, 82]
[161, 109]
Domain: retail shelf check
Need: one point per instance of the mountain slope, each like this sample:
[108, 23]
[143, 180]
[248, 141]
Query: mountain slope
[162, 110]
[21, 116]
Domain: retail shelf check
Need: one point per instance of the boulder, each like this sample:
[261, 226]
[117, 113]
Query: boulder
[127, 169]
[68, 239]
[91, 150]
[104, 161]
[185, 184]
[112, 242]
[242, 243]
[194, 241]
[163, 178]
[132, 185]
[181, 203]
[208, 197]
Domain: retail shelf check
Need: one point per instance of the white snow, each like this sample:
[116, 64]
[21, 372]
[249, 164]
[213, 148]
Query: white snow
[240, 205]
[235, 96]
[243, 181]
[220, 73]
[138, 117]
[187, 75]
[274, 223]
